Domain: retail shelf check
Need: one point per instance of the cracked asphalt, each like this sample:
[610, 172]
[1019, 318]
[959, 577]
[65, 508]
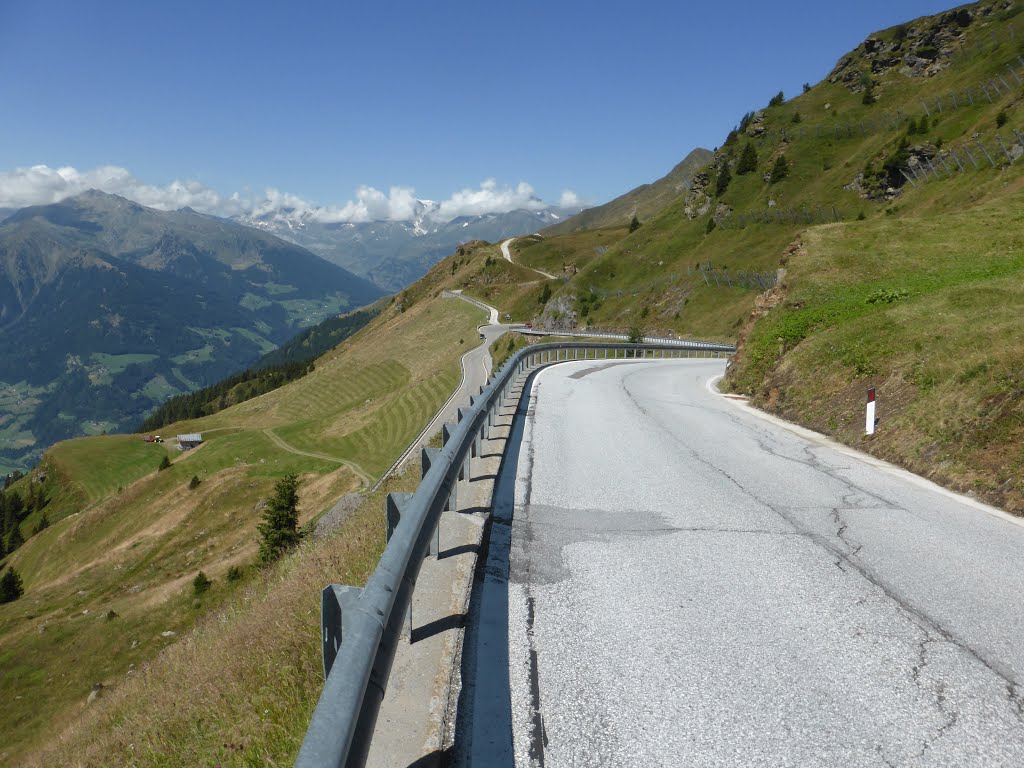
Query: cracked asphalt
[690, 584]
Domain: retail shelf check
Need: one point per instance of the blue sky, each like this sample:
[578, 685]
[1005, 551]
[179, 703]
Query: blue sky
[319, 99]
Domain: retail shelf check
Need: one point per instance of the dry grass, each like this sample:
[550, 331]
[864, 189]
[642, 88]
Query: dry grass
[239, 690]
[135, 550]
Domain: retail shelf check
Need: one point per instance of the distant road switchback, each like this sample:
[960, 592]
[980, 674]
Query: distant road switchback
[674, 580]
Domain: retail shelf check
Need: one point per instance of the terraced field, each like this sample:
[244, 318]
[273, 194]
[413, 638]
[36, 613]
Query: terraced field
[113, 572]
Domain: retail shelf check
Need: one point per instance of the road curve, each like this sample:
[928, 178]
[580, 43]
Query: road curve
[476, 368]
[508, 257]
[672, 580]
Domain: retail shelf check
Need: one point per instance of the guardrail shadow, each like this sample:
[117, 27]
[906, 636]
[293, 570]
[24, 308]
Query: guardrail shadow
[483, 728]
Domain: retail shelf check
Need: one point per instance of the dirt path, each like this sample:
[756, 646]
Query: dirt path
[508, 257]
[359, 471]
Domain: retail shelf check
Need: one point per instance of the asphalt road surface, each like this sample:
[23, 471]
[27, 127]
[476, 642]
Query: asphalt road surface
[672, 580]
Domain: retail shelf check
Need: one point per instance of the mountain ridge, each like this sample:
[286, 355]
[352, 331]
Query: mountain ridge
[643, 201]
[393, 254]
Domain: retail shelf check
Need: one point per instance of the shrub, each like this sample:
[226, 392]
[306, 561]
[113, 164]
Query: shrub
[201, 583]
[234, 573]
[11, 587]
[711, 226]
[1001, 119]
[636, 335]
[887, 295]
[796, 117]
[165, 462]
[193, 483]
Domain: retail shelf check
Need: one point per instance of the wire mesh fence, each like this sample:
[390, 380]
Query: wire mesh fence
[806, 215]
[739, 278]
[974, 155]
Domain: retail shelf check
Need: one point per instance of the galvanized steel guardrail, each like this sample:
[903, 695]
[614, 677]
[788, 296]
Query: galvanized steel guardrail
[363, 626]
[684, 343]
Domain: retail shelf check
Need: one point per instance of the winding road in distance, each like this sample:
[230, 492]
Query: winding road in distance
[673, 580]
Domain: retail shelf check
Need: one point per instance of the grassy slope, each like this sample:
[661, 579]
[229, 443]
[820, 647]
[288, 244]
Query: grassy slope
[128, 539]
[650, 278]
[946, 355]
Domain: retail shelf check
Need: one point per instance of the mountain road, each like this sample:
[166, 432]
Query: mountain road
[508, 257]
[674, 579]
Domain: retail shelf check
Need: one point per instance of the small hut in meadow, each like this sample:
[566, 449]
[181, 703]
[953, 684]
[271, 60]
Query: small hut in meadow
[189, 441]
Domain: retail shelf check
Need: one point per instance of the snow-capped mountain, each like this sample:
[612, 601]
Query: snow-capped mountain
[394, 254]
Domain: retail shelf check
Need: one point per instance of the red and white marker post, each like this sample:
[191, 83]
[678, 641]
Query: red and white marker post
[869, 420]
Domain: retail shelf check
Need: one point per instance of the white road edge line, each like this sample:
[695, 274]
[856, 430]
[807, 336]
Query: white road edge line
[866, 458]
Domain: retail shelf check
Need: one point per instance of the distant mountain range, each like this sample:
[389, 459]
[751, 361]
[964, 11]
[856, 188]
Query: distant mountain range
[643, 202]
[394, 254]
[108, 307]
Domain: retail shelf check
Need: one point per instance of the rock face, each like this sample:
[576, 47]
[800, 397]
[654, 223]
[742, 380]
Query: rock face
[559, 313]
[919, 50]
[698, 202]
[756, 126]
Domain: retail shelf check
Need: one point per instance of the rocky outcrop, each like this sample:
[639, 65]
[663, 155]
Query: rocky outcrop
[559, 313]
[698, 202]
[756, 126]
[922, 49]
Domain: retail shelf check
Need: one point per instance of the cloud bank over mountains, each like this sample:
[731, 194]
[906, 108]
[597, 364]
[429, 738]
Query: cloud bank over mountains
[42, 185]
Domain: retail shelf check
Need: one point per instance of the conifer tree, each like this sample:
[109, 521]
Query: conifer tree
[634, 225]
[279, 530]
[748, 160]
[14, 538]
[11, 587]
[724, 177]
[780, 170]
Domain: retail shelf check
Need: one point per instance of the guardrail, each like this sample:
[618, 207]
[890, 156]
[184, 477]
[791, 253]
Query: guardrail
[361, 628]
[685, 343]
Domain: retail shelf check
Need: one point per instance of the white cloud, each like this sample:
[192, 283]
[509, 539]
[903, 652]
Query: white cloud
[569, 199]
[41, 184]
[489, 198]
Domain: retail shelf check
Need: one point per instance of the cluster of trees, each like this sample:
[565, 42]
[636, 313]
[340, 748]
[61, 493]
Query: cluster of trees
[11, 587]
[14, 509]
[747, 160]
[918, 126]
